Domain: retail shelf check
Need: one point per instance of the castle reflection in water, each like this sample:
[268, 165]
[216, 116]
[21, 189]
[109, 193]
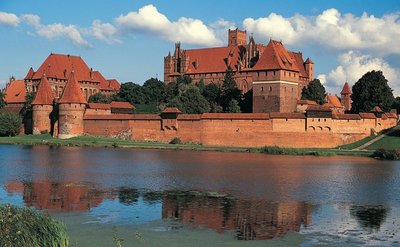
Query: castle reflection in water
[250, 219]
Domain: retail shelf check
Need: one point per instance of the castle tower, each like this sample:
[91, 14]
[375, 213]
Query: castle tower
[72, 107]
[346, 97]
[309, 65]
[42, 106]
[237, 37]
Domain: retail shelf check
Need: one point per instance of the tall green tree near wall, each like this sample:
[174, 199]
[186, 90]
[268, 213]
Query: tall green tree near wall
[314, 91]
[371, 90]
[2, 102]
[153, 90]
[99, 98]
[229, 90]
[131, 92]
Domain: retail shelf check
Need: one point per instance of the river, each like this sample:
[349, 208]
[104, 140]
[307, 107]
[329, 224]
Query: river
[190, 198]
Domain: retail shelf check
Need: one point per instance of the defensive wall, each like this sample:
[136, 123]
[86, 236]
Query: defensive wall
[297, 130]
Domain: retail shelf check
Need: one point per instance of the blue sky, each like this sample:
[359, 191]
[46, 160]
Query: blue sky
[127, 39]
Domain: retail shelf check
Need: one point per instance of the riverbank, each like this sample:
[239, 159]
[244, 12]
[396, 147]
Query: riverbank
[87, 141]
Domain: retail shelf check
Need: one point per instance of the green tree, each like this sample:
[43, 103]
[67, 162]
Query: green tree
[233, 106]
[132, 93]
[371, 90]
[201, 85]
[246, 104]
[229, 90]
[192, 102]
[212, 92]
[396, 105]
[153, 90]
[314, 91]
[184, 79]
[9, 123]
[99, 98]
[2, 102]
[26, 111]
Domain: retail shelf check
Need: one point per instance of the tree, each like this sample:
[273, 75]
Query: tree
[153, 90]
[233, 106]
[246, 104]
[371, 90]
[9, 123]
[184, 79]
[314, 91]
[132, 93]
[396, 105]
[212, 92]
[2, 102]
[26, 111]
[192, 102]
[99, 98]
[229, 90]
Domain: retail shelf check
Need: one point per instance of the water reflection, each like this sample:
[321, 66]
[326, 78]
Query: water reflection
[369, 217]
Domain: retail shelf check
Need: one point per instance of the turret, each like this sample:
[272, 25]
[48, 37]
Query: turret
[42, 106]
[346, 97]
[237, 37]
[72, 107]
[309, 65]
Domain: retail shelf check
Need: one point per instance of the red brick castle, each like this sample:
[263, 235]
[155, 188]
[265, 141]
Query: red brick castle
[275, 74]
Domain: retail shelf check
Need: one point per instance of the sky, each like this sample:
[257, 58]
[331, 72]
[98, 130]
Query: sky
[127, 39]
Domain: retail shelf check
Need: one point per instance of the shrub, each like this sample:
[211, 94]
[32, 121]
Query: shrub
[27, 227]
[387, 154]
[176, 140]
[272, 150]
[9, 123]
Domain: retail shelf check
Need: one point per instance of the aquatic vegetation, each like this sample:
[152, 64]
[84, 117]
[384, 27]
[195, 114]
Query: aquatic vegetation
[27, 227]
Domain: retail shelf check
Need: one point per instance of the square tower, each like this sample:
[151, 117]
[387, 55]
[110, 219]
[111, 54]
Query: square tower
[237, 37]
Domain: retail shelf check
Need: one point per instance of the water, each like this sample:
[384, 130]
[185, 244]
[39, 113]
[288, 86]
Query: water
[187, 198]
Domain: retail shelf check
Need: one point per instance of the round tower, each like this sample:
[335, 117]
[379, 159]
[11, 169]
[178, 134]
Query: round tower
[346, 97]
[42, 106]
[71, 110]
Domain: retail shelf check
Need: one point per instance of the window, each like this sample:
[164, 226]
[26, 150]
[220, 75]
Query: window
[262, 89]
[270, 89]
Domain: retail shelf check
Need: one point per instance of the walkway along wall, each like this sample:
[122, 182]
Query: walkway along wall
[241, 130]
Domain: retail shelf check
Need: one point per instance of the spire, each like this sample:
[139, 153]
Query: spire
[72, 92]
[346, 89]
[44, 94]
[308, 60]
[30, 74]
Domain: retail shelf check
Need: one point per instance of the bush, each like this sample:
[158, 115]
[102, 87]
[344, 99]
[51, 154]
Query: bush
[272, 150]
[27, 227]
[9, 123]
[387, 154]
[176, 140]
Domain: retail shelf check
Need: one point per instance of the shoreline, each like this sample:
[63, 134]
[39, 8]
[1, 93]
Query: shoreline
[101, 142]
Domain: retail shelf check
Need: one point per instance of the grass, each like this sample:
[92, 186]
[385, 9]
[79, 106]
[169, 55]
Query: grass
[27, 227]
[391, 141]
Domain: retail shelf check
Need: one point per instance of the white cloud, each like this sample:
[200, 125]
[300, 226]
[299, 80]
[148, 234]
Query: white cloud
[104, 31]
[32, 20]
[9, 19]
[353, 65]
[332, 30]
[187, 30]
[58, 30]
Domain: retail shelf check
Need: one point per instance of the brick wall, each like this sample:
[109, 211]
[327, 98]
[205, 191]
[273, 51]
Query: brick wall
[239, 130]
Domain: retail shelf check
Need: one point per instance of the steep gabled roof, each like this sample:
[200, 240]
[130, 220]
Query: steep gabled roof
[334, 100]
[60, 66]
[298, 57]
[30, 74]
[15, 92]
[346, 89]
[275, 56]
[72, 92]
[208, 60]
[114, 83]
[44, 94]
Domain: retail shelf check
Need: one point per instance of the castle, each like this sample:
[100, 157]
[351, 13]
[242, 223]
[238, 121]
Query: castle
[276, 75]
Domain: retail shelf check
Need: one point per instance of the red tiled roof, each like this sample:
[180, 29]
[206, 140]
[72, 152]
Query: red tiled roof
[367, 115]
[298, 57]
[275, 56]
[123, 117]
[318, 108]
[235, 116]
[215, 59]
[122, 105]
[12, 108]
[99, 106]
[30, 74]
[171, 110]
[333, 99]
[346, 89]
[306, 102]
[15, 92]
[346, 116]
[72, 92]
[60, 66]
[189, 116]
[391, 115]
[376, 109]
[287, 115]
[114, 84]
[44, 94]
